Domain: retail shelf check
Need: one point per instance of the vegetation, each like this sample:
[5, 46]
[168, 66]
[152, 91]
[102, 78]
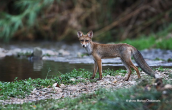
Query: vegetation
[23, 13]
[21, 88]
[125, 98]
[160, 40]
[59, 20]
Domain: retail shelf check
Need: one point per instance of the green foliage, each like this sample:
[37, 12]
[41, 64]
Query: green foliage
[158, 59]
[48, 19]
[113, 73]
[164, 44]
[24, 53]
[169, 60]
[20, 88]
[142, 43]
[9, 24]
[159, 40]
[16, 88]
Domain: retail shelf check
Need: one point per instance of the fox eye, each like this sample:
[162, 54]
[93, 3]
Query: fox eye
[86, 40]
[81, 40]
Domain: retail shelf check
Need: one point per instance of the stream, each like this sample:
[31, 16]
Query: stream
[60, 58]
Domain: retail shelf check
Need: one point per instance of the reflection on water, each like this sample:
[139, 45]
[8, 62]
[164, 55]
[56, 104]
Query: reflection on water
[11, 67]
[37, 65]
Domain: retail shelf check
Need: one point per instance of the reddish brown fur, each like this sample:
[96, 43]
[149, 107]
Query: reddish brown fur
[100, 51]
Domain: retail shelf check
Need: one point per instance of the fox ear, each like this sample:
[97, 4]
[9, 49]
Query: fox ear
[90, 34]
[79, 33]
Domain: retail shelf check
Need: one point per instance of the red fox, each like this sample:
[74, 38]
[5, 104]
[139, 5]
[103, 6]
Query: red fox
[124, 51]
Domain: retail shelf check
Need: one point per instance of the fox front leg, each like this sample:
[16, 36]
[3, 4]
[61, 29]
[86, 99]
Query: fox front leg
[94, 70]
[99, 63]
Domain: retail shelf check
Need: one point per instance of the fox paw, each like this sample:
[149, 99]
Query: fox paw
[99, 79]
[92, 78]
[125, 79]
[139, 77]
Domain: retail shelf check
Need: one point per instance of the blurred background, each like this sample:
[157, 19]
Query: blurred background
[52, 25]
[110, 20]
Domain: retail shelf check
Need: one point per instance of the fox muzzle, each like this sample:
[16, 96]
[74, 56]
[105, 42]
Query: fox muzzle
[84, 45]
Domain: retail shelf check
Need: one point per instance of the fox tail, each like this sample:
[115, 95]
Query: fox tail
[142, 63]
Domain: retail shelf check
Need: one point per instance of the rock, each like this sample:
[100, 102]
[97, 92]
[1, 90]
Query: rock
[37, 52]
[2, 55]
[50, 52]
[115, 81]
[168, 86]
[72, 79]
[132, 82]
[108, 76]
[62, 86]
[79, 54]
[157, 76]
[57, 89]
[63, 53]
[72, 88]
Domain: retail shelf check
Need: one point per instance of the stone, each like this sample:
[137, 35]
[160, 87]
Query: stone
[168, 86]
[57, 89]
[63, 53]
[37, 52]
[62, 86]
[115, 81]
[72, 79]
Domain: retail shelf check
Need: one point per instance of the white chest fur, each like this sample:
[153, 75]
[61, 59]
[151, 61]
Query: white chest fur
[88, 48]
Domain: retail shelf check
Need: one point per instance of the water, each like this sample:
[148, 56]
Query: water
[64, 58]
[12, 67]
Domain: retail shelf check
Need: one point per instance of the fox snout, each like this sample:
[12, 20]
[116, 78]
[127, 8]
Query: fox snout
[84, 45]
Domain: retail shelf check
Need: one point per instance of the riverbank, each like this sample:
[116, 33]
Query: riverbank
[73, 85]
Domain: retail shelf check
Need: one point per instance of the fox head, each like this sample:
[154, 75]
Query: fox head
[85, 39]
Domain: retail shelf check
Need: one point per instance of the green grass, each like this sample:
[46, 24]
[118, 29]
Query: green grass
[141, 43]
[156, 40]
[121, 99]
[102, 99]
[164, 44]
[150, 42]
[21, 88]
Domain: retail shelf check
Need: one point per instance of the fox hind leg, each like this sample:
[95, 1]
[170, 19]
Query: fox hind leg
[126, 64]
[137, 70]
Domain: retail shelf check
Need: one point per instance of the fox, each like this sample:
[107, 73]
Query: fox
[122, 50]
